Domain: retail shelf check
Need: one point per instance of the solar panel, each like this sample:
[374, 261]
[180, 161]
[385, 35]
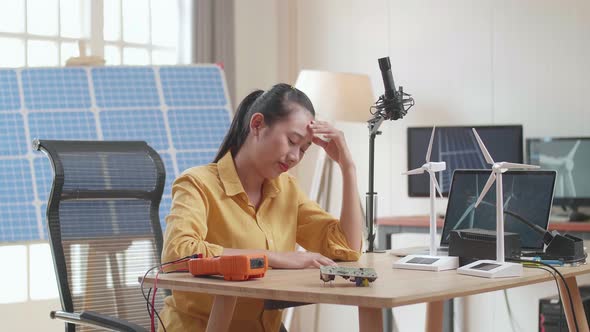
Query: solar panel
[181, 111]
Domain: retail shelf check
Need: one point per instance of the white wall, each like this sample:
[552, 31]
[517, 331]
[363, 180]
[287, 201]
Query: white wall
[257, 41]
[465, 62]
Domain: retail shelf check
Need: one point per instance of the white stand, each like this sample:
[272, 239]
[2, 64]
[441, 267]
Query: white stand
[430, 262]
[498, 268]
[491, 269]
[427, 263]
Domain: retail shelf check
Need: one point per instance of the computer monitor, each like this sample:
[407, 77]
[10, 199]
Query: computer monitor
[570, 157]
[458, 148]
[527, 194]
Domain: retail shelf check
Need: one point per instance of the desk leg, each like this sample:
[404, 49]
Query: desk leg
[370, 319]
[221, 313]
[578, 306]
[434, 316]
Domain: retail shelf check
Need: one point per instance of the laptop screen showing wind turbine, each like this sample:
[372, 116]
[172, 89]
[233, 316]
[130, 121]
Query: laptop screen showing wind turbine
[528, 195]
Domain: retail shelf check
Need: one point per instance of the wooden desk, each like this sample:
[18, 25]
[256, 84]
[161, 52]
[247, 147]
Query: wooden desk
[386, 226]
[392, 288]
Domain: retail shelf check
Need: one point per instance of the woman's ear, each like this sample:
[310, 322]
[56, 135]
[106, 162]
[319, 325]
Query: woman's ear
[256, 123]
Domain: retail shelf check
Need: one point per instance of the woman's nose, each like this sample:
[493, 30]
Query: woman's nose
[293, 156]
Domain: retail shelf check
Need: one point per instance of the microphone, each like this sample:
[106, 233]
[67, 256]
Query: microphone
[392, 105]
[388, 84]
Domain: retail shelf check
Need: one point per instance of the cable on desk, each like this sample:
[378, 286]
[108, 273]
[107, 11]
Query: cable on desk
[534, 264]
[150, 305]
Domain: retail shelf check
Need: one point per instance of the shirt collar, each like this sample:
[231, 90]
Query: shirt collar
[229, 176]
[231, 182]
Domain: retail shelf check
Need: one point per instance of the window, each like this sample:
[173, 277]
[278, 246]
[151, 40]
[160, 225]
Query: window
[130, 32]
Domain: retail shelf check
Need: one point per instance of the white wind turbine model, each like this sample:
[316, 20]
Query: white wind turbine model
[430, 262]
[499, 267]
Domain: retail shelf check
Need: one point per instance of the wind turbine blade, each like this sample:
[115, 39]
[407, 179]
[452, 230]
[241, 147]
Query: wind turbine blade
[486, 188]
[433, 179]
[515, 165]
[430, 145]
[570, 181]
[414, 171]
[468, 211]
[485, 152]
[571, 154]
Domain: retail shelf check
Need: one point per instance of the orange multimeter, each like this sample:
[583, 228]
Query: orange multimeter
[239, 267]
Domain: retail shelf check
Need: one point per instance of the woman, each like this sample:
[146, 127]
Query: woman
[245, 202]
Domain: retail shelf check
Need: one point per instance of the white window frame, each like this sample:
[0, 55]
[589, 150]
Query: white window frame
[95, 41]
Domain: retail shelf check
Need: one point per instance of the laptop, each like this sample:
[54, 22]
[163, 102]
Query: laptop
[528, 195]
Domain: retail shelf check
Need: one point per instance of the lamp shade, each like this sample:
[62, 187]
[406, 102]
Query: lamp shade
[337, 96]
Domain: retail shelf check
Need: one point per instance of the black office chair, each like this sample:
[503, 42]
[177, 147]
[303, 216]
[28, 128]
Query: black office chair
[104, 230]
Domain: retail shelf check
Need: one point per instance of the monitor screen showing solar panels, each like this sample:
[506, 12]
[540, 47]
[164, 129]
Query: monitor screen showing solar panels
[527, 194]
[458, 148]
[570, 157]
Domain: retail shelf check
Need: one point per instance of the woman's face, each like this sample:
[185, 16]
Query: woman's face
[282, 145]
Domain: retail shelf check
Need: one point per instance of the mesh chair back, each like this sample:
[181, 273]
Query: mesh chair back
[104, 225]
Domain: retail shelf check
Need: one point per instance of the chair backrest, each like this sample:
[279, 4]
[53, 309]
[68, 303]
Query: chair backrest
[104, 225]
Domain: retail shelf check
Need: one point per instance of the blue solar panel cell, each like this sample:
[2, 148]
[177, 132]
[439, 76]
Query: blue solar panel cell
[15, 183]
[165, 205]
[142, 125]
[9, 95]
[45, 227]
[187, 160]
[12, 135]
[193, 86]
[19, 223]
[55, 88]
[62, 125]
[125, 87]
[198, 128]
[43, 176]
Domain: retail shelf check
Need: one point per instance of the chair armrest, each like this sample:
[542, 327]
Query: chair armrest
[97, 320]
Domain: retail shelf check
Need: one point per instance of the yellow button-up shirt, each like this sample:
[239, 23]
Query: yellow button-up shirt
[211, 211]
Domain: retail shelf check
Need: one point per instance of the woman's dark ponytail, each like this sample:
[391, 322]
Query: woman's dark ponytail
[273, 104]
[239, 128]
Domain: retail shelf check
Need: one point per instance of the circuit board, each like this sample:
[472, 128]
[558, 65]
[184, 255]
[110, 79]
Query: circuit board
[359, 275]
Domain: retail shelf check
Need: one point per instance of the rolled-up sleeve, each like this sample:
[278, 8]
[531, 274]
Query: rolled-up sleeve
[319, 231]
[186, 225]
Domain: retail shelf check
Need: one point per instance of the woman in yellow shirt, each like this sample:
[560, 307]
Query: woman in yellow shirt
[245, 202]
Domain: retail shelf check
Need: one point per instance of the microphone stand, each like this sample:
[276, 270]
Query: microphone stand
[371, 208]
